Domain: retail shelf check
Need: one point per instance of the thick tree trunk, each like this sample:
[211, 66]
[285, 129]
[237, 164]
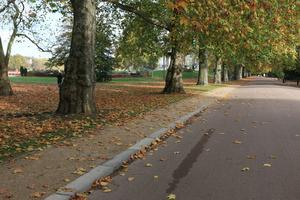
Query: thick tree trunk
[174, 83]
[246, 73]
[225, 73]
[77, 90]
[5, 87]
[238, 72]
[203, 67]
[218, 71]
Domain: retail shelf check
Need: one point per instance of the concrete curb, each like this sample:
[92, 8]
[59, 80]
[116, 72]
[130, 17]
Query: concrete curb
[85, 182]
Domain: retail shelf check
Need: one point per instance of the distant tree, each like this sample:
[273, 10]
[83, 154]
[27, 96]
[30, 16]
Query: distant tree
[16, 61]
[14, 14]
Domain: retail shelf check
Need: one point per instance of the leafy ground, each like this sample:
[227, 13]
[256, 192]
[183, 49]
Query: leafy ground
[27, 122]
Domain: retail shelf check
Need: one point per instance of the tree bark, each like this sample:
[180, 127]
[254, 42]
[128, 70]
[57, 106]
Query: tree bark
[5, 87]
[225, 73]
[77, 89]
[238, 72]
[218, 71]
[174, 83]
[203, 68]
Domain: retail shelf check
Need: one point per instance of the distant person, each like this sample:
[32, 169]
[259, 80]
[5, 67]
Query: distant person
[60, 79]
[22, 71]
[25, 71]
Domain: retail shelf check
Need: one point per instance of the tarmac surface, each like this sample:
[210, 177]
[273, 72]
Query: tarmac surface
[246, 147]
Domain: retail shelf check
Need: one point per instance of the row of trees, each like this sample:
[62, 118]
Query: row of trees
[33, 63]
[251, 34]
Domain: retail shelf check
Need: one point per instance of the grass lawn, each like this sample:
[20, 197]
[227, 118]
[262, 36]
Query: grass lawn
[29, 79]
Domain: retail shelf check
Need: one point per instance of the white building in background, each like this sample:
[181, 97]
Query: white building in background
[164, 62]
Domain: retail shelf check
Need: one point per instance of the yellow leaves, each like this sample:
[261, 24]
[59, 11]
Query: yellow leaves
[80, 196]
[184, 21]
[80, 171]
[237, 142]
[171, 197]
[267, 165]
[179, 125]
[66, 180]
[178, 4]
[102, 183]
[148, 165]
[34, 157]
[130, 179]
[38, 194]
[106, 190]
[18, 171]
[245, 169]
[251, 157]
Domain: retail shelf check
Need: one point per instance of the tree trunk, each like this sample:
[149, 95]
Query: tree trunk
[246, 73]
[5, 87]
[218, 71]
[174, 83]
[238, 72]
[203, 65]
[225, 73]
[77, 89]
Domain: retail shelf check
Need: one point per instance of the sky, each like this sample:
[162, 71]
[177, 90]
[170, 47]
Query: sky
[48, 31]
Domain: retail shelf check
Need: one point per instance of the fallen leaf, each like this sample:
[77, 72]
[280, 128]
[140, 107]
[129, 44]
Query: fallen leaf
[32, 158]
[267, 165]
[18, 171]
[252, 157]
[156, 177]
[237, 142]
[130, 179]
[171, 197]
[106, 190]
[66, 180]
[148, 165]
[104, 183]
[273, 157]
[3, 190]
[80, 196]
[245, 169]
[38, 194]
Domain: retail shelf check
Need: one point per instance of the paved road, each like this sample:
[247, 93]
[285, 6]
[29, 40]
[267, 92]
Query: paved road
[257, 128]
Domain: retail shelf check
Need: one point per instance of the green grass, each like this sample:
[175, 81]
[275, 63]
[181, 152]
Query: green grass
[133, 79]
[186, 75]
[29, 79]
[156, 76]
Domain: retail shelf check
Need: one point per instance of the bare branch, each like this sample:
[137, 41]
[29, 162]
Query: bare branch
[33, 42]
[6, 6]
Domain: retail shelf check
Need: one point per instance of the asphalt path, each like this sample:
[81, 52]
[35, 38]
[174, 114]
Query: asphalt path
[246, 147]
